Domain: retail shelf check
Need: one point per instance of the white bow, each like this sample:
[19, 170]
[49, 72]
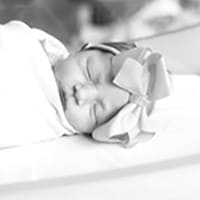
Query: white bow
[147, 80]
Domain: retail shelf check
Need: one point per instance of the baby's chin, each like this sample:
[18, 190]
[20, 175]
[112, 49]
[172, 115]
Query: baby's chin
[78, 123]
[79, 126]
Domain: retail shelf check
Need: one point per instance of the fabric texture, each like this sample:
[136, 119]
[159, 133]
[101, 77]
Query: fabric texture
[30, 106]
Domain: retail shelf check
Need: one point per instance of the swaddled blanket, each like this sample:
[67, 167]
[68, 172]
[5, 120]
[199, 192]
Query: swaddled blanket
[30, 108]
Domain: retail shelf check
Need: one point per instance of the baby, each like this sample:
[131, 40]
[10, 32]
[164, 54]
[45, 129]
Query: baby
[108, 89]
[113, 91]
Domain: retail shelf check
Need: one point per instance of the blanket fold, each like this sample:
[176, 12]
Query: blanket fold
[30, 108]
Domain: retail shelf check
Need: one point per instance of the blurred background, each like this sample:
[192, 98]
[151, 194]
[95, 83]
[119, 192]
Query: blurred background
[75, 22]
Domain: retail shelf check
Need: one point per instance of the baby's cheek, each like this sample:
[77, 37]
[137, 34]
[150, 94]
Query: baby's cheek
[79, 116]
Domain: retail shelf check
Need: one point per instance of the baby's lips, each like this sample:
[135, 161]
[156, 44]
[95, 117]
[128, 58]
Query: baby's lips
[78, 86]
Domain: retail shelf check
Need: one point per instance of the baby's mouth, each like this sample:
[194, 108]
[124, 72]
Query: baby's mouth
[63, 98]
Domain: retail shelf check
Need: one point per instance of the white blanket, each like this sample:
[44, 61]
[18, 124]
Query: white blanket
[30, 108]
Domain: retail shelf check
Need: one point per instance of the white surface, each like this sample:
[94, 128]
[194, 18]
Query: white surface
[75, 156]
[170, 180]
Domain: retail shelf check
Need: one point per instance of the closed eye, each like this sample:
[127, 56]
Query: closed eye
[99, 112]
[89, 75]
[92, 74]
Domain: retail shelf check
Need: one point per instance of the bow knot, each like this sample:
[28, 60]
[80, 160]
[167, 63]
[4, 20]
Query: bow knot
[140, 100]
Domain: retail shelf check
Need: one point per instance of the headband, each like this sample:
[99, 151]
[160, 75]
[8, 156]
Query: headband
[104, 47]
[144, 75]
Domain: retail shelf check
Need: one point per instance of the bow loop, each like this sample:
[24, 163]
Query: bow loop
[131, 76]
[148, 80]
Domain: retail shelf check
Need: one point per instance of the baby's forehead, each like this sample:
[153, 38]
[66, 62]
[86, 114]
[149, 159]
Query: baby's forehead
[94, 55]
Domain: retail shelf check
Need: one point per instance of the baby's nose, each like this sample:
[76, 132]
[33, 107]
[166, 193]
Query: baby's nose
[85, 93]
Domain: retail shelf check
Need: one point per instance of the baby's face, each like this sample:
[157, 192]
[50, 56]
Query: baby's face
[88, 95]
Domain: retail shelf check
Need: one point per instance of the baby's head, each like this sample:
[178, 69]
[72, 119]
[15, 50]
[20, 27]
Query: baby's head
[89, 96]
[107, 89]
